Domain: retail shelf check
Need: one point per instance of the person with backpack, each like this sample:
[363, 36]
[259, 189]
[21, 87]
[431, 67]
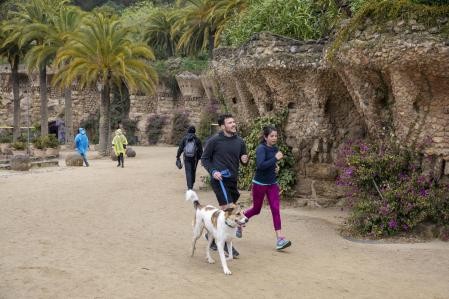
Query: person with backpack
[193, 150]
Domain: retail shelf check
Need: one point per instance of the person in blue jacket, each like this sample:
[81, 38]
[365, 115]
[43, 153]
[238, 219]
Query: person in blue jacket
[82, 144]
[265, 182]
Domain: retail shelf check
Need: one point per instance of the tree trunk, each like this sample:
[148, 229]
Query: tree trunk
[68, 116]
[16, 95]
[104, 130]
[44, 100]
[211, 43]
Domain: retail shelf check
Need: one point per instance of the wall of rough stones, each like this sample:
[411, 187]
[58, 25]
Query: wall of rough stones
[85, 103]
[377, 84]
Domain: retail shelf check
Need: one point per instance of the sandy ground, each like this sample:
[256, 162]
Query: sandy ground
[107, 232]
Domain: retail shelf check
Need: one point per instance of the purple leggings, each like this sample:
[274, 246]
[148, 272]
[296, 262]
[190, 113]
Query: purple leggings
[272, 192]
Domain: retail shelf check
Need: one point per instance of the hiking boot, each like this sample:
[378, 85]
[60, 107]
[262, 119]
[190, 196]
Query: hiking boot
[282, 243]
[235, 253]
[239, 232]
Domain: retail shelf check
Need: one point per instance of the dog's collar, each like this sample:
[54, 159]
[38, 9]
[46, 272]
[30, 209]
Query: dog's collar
[229, 225]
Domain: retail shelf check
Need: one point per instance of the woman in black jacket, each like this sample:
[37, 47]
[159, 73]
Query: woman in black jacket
[192, 148]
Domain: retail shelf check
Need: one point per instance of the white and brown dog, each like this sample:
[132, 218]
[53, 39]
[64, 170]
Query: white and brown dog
[220, 225]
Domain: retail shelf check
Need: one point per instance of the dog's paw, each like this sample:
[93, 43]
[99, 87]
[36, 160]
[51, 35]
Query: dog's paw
[229, 258]
[211, 261]
[227, 272]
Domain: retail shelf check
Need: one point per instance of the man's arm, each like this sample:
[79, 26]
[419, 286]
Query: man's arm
[243, 153]
[180, 148]
[199, 147]
[206, 158]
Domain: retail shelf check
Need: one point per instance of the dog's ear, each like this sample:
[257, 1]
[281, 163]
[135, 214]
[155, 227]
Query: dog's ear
[229, 210]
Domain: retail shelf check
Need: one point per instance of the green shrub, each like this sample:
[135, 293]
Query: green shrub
[286, 176]
[299, 19]
[387, 192]
[208, 117]
[180, 124]
[48, 141]
[382, 11]
[155, 124]
[19, 145]
[432, 2]
[130, 127]
[91, 125]
[5, 136]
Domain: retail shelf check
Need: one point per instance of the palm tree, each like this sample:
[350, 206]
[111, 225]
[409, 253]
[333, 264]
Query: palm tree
[22, 30]
[101, 54]
[196, 27]
[202, 21]
[55, 34]
[11, 51]
[159, 32]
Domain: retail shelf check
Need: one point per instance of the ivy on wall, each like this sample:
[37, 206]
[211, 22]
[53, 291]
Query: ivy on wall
[287, 175]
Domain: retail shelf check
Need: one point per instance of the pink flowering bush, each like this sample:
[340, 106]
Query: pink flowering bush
[386, 191]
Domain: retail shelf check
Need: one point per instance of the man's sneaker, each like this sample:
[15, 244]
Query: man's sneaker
[282, 243]
[235, 253]
[213, 246]
[238, 233]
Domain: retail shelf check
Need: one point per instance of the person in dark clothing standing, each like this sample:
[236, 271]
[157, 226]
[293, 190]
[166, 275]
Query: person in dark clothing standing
[222, 157]
[192, 148]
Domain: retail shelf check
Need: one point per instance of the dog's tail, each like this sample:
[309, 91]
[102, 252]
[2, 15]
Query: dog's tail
[192, 196]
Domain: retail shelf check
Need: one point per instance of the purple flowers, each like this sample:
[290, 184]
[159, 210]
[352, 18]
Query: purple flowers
[424, 192]
[392, 224]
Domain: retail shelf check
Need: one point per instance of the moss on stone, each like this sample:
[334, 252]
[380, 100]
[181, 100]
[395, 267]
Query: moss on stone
[382, 11]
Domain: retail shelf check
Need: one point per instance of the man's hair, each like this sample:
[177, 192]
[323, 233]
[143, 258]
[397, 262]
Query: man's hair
[221, 118]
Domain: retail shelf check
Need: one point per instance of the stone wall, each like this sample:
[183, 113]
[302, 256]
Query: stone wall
[378, 84]
[86, 103]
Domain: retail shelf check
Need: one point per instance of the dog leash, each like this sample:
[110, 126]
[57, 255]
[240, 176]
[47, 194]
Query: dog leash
[226, 174]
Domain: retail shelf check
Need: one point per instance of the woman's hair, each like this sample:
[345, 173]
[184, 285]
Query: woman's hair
[267, 130]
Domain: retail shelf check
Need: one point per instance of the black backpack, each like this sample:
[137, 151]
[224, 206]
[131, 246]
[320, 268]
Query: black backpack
[190, 148]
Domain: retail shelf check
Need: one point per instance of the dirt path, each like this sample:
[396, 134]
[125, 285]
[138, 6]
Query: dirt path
[105, 232]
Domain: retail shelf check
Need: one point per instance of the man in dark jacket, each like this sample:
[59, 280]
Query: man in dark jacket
[193, 149]
[222, 157]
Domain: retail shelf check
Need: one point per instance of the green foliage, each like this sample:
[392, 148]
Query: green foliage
[120, 105]
[91, 125]
[5, 136]
[293, 18]
[432, 2]
[286, 176]
[381, 11]
[47, 141]
[130, 127]
[19, 145]
[357, 4]
[208, 116]
[387, 192]
[180, 124]
[155, 124]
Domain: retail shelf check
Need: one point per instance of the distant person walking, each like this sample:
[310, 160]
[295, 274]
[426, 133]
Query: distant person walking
[192, 148]
[265, 183]
[82, 144]
[119, 144]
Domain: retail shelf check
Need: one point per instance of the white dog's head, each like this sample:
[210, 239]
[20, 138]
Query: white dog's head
[234, 216]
